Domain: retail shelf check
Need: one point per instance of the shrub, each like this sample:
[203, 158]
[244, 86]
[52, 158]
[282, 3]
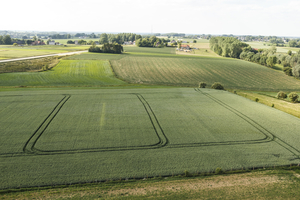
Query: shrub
[273, 105]
[293, 96]
[281, 95]
[219, 170]
[256, 99]
[288, 71]
[217, 86]
[202, 85]
[186, 173]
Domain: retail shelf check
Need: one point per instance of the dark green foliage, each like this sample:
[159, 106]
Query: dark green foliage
[70, 42]
[296, 71]
[107, 48]
[227, 46]
[150, 42]
[186, 173]
[288, 71]
[273, 105]
[271, 61]
[281, 95]
[7, 40]
[294, 97]
[289, 52]
[219, 170]
[256, 99]
[217, 86]
[202, 85]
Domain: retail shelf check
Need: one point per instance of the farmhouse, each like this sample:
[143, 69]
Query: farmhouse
[38, 43]
[183, 46]
[53, 43]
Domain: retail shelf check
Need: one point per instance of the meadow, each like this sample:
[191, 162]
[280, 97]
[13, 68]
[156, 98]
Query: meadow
[54, 137]
[263, 45]
[66, 73]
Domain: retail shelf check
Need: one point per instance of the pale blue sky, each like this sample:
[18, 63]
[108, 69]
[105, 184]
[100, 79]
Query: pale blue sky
[238, 17]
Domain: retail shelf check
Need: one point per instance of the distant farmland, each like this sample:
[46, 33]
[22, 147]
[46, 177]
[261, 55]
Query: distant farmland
[68, 136]
[186, 70]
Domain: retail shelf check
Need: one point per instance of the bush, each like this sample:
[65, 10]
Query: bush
[281, 95]
[202, 85]
[288, 71]
[217, 86]
[293, 96]
[186, 173]
[219, 170]
[256, 99]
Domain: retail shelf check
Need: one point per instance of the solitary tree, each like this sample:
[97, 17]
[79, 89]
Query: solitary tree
[281, 95]
[293, 96]
[202, 85]
[217, 86]
[289, 52]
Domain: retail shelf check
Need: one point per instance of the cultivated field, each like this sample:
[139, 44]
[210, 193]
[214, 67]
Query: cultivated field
[9, 52]
[68, 136]
[260, 45]
[66, 73]
[190, 70]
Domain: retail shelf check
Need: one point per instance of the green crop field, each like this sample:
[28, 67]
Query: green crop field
[66, 73]
[8, 52]
[190, 70]
[51, 137]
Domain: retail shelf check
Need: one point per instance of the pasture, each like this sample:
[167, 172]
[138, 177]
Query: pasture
[65, 136]
[66, 73]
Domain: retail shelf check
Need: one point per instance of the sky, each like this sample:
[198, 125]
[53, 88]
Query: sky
[237, 17]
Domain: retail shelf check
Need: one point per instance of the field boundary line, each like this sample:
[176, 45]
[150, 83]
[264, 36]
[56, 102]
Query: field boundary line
[156, 125]
[268, 136]
[29, 145]
[154, 122]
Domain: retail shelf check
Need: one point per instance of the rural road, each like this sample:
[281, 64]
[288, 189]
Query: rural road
[34, 57]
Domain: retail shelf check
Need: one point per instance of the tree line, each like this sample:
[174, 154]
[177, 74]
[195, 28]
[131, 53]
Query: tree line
[107, 48]
[227, 46]
[151, 42]
[232, 47]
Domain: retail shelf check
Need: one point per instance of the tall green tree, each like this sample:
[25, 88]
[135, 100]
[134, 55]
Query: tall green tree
[7, 39]
[103, 38]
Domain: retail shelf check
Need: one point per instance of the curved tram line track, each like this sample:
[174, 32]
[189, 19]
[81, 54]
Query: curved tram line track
[270, 137]
[29, 147]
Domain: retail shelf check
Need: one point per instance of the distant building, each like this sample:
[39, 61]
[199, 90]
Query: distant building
[76, 42]
[183, 46]
[38, 43]
[53, 43]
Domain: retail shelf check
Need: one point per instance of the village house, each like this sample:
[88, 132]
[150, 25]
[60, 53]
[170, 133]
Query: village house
[38, 43]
